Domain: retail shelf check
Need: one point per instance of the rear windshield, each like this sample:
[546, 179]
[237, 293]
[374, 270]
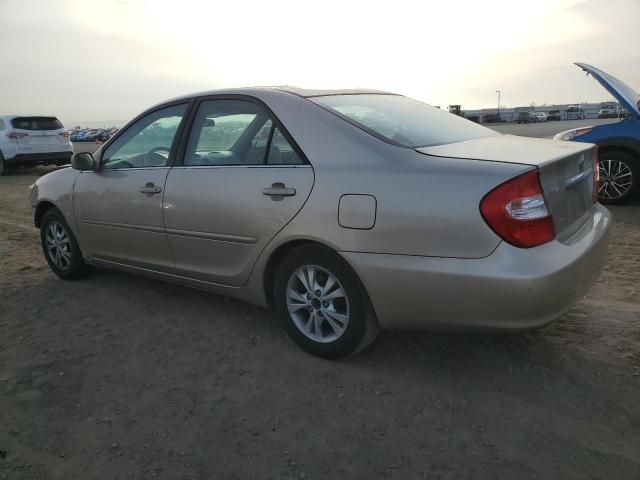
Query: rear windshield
[36, 123]
[403, 121]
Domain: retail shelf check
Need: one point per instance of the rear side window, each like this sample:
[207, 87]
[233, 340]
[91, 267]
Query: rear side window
[237, 132]
[1, 124]
[281, 152]
[401, 120]
[36, 123]
[228, 132]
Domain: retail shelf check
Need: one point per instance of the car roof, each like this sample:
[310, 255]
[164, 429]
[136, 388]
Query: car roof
[285, 89]
[314, 92]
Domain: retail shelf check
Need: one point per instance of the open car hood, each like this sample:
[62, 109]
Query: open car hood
[626, 95]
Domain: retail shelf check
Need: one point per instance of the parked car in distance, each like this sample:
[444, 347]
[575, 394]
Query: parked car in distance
[608, 111]
[525, 117]
[618, 143]
[346, 211]
[554, 115]
[85, 136]
[32, 140]
[574, 112]
[491, 118]
[93, 135]
[540, 117]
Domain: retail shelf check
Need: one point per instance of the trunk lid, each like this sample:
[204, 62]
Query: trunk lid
[40, 141]
[566, 171]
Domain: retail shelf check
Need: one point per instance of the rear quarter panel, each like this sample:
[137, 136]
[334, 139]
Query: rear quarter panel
[426, 205]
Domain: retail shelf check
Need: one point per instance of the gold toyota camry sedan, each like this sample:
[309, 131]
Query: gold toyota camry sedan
[346, 211]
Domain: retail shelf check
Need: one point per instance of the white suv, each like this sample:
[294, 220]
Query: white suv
[33, 140]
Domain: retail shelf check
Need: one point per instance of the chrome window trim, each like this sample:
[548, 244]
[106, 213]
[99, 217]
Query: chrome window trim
[106, 170]
[238, 166]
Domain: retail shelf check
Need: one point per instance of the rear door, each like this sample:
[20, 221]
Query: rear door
[119, 206]
[242, 179]
[40, 135]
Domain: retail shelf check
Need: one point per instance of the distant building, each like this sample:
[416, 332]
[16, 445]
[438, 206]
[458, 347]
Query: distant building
[509, 114]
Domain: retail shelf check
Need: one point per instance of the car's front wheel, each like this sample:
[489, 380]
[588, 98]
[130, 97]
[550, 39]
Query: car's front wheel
[618, 176]
[323, 304]
[60, 247]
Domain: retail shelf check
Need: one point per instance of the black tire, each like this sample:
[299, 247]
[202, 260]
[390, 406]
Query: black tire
[361, 329]
[75, 267]
[4, 170]
[609, 196]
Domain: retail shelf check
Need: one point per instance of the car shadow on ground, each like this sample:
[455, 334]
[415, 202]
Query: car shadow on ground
[119, 372]
[401, 349]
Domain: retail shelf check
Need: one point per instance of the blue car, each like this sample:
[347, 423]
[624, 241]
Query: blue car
[618, 143]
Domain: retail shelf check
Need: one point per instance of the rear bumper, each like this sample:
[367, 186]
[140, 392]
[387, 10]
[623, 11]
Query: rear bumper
[512, 289]
[39, 158]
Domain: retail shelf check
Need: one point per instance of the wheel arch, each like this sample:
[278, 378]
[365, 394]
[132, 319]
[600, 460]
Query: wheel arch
[276, 256]
[627, 145]
[618, 148]
[43, 207]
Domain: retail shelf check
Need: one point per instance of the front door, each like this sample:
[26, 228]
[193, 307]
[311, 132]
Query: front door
[118, 207]
[242, 180]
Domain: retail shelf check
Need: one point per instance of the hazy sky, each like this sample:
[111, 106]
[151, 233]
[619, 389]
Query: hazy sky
[110, 59]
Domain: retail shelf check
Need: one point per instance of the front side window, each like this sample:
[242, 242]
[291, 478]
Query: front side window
[401, 120]
[147, 143]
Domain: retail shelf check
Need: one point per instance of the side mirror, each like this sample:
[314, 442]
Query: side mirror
[209, 122]
[83, 161]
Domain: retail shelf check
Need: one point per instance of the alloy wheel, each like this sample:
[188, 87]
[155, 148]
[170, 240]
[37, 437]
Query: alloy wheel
[616, 179]
[58, 245]
[317, 303]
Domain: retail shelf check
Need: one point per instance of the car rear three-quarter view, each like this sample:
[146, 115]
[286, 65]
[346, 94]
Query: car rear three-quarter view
[346, 211]
[32, 140]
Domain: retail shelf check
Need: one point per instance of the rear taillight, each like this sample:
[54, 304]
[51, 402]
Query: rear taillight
[17, 135]
[65, 134]
[596, 175]
[518, 213]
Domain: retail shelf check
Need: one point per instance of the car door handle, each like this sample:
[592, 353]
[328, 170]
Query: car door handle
[279, 190]
[150, 188]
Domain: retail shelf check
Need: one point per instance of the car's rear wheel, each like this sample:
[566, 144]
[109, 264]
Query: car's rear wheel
[323, 304]
[60, 247]
[618, 176]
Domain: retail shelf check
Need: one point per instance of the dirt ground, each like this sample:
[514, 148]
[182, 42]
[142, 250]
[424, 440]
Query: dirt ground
[121, 377]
